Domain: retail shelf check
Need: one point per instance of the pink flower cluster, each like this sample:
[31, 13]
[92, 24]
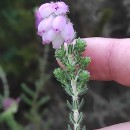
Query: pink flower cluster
[53, 24]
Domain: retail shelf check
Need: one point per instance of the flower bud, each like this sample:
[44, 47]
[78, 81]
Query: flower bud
[57, 42]
[60, 8]
[68, 33]
[45, 10]
[59, 23]
[45, 25]
[49, 36]
[8, 102]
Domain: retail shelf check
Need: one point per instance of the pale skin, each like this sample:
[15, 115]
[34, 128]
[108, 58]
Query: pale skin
[110, 61]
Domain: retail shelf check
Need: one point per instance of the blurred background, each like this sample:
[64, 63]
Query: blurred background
[31, 98]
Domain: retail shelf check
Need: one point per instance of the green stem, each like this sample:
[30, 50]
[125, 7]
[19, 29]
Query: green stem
[73, 78]
[42, 64]
[75, 99]
[40, 87]
[5, 82]
[12, 123]
[75, 95]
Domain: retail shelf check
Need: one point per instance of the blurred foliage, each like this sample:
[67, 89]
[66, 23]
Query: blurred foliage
[8, 105]
[34, 99]
[22, 57]
[19, 49]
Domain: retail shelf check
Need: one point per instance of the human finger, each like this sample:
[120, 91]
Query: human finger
[110, 59]
[122, 126]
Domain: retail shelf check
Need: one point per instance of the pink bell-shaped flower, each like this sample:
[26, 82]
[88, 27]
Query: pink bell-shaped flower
[45, 10]
[60, 8]
[49, 36]
[68, 33]
[59, 23]
[45, 25]
[57, 42]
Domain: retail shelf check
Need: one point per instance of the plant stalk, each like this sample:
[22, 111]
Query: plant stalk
[75, 99]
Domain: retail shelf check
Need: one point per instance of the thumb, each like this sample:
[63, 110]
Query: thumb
[110, 59]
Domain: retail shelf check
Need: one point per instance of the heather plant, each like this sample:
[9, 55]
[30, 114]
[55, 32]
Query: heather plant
[54, 26]
[8, 105]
